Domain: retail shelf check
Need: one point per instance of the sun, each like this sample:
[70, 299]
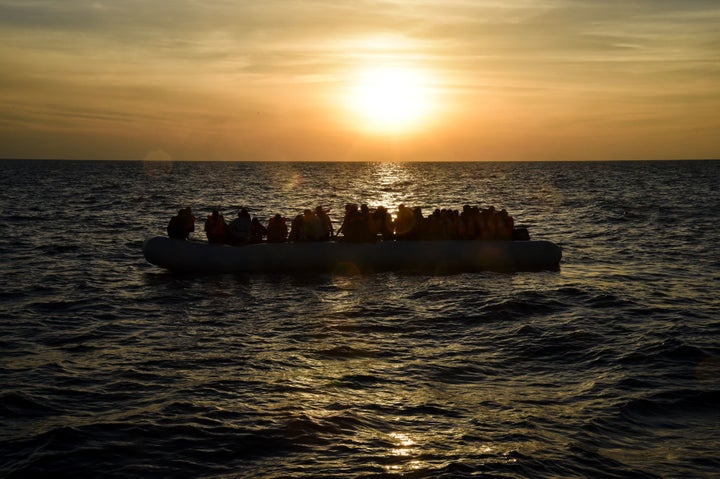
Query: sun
[390, 100]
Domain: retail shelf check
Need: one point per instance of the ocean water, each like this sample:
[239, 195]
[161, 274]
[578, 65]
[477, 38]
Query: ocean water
[607, 368]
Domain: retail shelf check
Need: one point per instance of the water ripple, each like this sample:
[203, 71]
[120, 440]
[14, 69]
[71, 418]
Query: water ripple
[609, 367]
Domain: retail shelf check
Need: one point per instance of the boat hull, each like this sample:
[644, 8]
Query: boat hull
[434, 256]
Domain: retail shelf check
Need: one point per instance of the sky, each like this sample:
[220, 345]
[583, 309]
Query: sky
[292, 80]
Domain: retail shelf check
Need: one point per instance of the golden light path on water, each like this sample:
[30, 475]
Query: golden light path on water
[323, 390]
[389, 179]
[385, 374]
[415, 444]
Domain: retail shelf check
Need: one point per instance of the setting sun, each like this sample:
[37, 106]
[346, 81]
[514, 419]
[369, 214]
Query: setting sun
[390, 100]
[330, 81]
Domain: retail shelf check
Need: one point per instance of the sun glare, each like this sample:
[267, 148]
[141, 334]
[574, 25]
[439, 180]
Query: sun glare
[390, 100]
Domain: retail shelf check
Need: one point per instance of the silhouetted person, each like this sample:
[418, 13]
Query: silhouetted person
[351, 227]
[327, 225]
[381, 223]
[216, 228]
[182, 224]
[239, 228]
[257, 231]
[404, 223]
[312, 229]
[297, 232]
[277, 230]
[503, 226]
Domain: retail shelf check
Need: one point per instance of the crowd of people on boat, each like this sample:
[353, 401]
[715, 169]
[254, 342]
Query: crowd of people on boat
[361, 224]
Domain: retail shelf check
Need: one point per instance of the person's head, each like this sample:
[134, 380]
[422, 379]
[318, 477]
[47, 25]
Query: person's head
[215, 214]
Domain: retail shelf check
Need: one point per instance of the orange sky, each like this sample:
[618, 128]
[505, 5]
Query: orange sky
[288, 80]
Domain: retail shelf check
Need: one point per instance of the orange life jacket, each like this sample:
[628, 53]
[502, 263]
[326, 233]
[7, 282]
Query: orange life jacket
[215, 229]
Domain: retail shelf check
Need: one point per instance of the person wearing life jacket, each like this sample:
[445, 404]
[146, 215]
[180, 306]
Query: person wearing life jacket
[175, 227]
[216, 228]
[488, 229]
[367, 235]
[467, 222]
[277, 230]
[239, 228]
[327, 225]
[504, 226]
[182, 224]
[382, 223]
[404, 223]
[431, 228]
[351, 227]
[257, 231]
[312, 229]
[297, 231]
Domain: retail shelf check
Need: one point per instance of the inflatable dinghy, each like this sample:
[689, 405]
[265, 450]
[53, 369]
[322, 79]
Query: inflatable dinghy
[432, 256]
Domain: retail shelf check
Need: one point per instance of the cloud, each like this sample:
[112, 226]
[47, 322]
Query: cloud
[239, 71]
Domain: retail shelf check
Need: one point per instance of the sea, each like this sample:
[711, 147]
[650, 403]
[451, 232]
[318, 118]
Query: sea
[606, 368]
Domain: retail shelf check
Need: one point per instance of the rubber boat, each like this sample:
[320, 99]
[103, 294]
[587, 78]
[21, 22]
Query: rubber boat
[433, 256]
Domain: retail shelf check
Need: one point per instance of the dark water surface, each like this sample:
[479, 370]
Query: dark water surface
[610, 367]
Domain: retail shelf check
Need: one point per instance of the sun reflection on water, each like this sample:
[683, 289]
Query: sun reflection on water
[404, 448]
[392, 182]
[292, 182]
[403, 445]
